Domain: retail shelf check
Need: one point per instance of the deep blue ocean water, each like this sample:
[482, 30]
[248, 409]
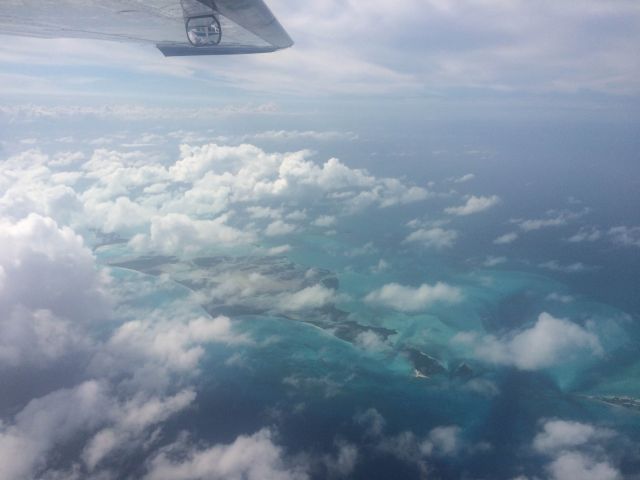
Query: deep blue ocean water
[310, 384]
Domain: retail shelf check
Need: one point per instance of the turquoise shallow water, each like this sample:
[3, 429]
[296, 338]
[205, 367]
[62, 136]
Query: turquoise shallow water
[309, 380]
[310, 384]
[310, 375]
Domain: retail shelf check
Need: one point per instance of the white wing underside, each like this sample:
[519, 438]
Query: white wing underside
[247, 26]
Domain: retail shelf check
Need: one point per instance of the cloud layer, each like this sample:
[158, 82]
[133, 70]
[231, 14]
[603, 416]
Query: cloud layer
[191, 203]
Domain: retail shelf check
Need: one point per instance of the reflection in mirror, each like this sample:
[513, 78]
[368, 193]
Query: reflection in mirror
[203, 30]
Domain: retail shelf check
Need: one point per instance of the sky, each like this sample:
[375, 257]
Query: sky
[421, 49]
[406, 247]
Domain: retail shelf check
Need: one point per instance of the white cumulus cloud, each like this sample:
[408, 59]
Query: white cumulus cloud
[549, 342]
[36, 255]
[436, 237]
[413, 299]
[559, 434]
[572, 465]
[179, 233]
[575, 450]
[248, 457]
[506, 238]
[625, 236]
[474, 205]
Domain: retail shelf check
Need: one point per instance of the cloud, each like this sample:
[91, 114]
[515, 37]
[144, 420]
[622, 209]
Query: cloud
[312, 297]
[547, 343]
[252, 457]
[142, 362]
[539, 223]
[506, 238]
[575, 450]
[47, 422]
[474, 205]
[278, 228]
[370, 340]
[586, 234]
[437, 45]
[625, 236]
[125, 392]
[150, 349]
[413, 299]
[440, 442]
[190, 205]
[131, 112]
[366, 249]
[433, 237]
[131, 419]
[121, 215]
[481, 386]
[372, 421]
[35, 254]
[287, 135]
[279, 250]
[264, 212]
[562, 434]
[265, 290]
[325, 221]
[557, 297]
[572, 465]
[577, 267]
[326, 386]
[554, 218]
[494, 261]
[164, 346]
[250, 174]
[28, 195]
[37, 338]
[465, 178]
[344, 462]
[382, 266]
[241, 286]
[175, 233]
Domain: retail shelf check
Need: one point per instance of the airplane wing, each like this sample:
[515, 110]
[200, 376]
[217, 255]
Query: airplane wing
[256, 17]
[176, 27]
